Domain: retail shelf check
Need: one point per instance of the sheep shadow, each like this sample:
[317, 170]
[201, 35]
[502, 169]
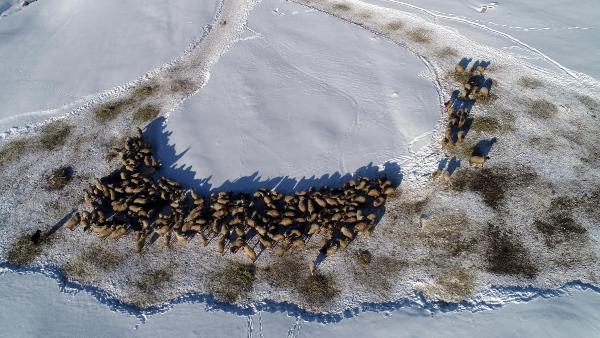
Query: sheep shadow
[483, 147]
[158, 137]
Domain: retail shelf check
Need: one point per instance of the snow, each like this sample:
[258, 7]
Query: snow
[293, 126]
[291, 104]
[31, 297]
[57, 51]
[562, 31]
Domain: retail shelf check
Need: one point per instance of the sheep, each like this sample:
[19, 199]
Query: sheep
[73, 222]
[459, 69]
[478, 159]
[435, 174]
[446, 176]
[249, 252]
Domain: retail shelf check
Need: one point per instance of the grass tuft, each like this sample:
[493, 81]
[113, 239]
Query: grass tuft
[506, 255]
[233, 282]
[542, 109]
[111, 110]
[318, 289]
[55, 135]
[146, 113]
[394, 25]
[59, 178]
[420, 35]
[530, 82]
[24, 251]
[13, 151]
[485, 124]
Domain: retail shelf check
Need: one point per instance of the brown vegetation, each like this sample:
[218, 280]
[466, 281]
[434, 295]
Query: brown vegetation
[542, 109]
[506, 255]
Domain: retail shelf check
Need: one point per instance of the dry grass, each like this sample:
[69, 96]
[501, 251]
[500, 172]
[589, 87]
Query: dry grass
[486, 124]
[447, 52]
[14, 150]
[95, 260]
[111, 110]
[363, 257]
[54, 135]
[506, 255]
[318, 289]
[145, 91]
[447, 234]
[457, 283]
[150, 284]
[183, 86]
[542, 109]
[420, 35]
[146, 113]
[530, 82]
[379, 274]
[233, 282]
[590, 103]
[23, 251]
[341, 7]
[494, 183]
[394, 25]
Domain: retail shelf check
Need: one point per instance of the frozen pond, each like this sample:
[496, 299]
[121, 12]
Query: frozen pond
[304, 94]
[33, 305]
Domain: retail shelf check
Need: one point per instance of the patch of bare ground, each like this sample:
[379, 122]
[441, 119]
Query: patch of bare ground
[95, 260]
[558, 225]
[342, 7]
[542, 109]
[493, 183]
[148, 287]
[183, 86]
[59, 178]
[506, 254]
[318, 289]
[530, 82]
[14, 150]
[111, 110]
[543, 143]
[145, 91]
[233, 282]
[420, 35]
[394, 25]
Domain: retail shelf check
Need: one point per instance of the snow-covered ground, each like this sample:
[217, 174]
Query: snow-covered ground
[31, 297]
[559, 31]
[294, 70]
[290, 104]
[57, 52]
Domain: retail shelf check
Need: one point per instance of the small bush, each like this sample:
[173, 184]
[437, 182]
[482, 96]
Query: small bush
[146, 113]
[420, 35]
[59, 178]
[111, 110]
[542, 109]
[55, 135]
[530, 82]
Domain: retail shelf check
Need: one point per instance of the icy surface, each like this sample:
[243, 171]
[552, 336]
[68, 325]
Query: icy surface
[302, 103]
[57, 52]
[31, 297]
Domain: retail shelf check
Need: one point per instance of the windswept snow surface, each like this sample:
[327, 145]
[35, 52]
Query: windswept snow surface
[59, 51]
[39, 308]
[301, 102]
[561, 31]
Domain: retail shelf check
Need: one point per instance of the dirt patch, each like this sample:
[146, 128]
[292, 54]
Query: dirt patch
[559, 226]
[530, 82]
[447, 52]
[542, 109]
[183, 86]
[485, 124]
[506, 255]
[447, 234]
[363, 257]
[420, 35]
[54, 135]
[233, 282]
[341, 7]
[146, 113]
[145, 91]
[493, 184]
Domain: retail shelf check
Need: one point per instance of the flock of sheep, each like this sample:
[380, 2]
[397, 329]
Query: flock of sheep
[474, 87]
[135, 199]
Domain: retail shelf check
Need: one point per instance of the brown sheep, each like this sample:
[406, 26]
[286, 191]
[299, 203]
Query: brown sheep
[73, 222]
[476, 159]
